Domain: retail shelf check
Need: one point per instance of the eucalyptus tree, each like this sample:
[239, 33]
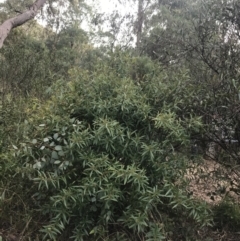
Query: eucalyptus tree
[216, 52]
[20, 19]
[54, 13]
[204, 38]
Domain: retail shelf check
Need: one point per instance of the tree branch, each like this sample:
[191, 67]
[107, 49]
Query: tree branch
[20, 19]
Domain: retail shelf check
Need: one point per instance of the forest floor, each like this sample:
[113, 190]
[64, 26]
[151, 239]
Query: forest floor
[213, 183]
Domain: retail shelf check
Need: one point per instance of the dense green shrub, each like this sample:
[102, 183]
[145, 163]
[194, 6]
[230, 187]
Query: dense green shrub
[102, 159]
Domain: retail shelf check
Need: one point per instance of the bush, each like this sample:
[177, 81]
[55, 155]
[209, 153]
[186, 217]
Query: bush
[101, 159]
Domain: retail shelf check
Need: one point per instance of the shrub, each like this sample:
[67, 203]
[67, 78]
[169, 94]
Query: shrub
[101, 159]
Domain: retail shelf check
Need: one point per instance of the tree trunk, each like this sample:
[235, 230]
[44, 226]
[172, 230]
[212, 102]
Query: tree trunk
[22, 18]
[139, 24]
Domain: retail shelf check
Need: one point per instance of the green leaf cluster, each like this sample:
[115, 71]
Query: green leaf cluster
[102, 157]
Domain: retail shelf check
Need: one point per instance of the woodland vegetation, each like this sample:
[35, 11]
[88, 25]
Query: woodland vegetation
[104, 114]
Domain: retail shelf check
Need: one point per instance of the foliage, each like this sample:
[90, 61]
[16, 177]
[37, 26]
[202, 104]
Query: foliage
[101, 157]
[227, 214]
[19, 73]
[95, 141]
[202, 37]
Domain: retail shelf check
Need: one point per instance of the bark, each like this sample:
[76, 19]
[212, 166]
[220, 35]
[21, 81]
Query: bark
[20, 19]
[140, 19]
